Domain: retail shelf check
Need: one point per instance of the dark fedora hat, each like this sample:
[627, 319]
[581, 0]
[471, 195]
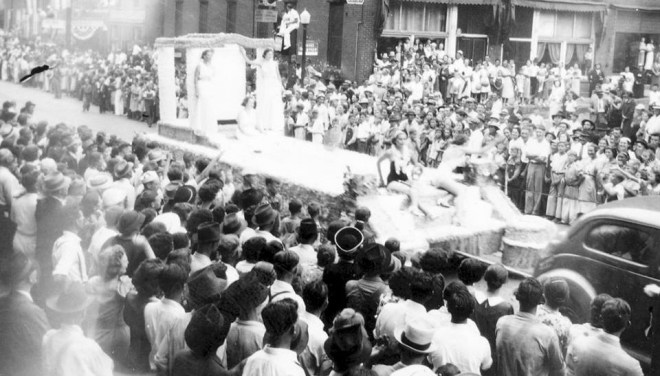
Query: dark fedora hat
[73, 300]
[348, 239]
[205, 287]
[307, 228]
[374, 257]
[208, 232]
[130, 222]
[348, 344]
[264, 215]
[123, 169]
[232, 224]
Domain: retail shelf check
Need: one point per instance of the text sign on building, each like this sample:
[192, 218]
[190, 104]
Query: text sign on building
[312, 48]
[266, 15]
[355, 2]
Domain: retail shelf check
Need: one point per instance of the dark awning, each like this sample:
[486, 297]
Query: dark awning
[562, 5]
[456, 2]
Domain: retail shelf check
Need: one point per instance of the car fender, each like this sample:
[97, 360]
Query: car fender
[582, 292]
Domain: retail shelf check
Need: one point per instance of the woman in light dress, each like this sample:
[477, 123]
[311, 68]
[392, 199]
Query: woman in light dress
[508, 91]
[628, 80]
[650, 48]
[270, 107]
[556, 97]
[204, 121]
[104, 318]
[247, 119]
[117, 95]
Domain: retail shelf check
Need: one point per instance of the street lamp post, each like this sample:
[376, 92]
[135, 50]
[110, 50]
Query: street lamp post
[304, 20]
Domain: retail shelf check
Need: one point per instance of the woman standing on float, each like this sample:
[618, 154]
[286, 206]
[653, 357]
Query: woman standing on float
[204, 120]
[270, 108]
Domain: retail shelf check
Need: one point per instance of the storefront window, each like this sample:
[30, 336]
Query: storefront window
[472, 19]
[416, 17]
[565, 25]
[524, 23]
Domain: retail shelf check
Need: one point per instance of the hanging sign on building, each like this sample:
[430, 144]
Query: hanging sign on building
[312, 48]
[355, 2]
[266, 15]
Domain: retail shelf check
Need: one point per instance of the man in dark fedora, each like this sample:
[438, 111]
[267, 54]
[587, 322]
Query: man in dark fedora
[208, 238]
[265, 219]
[67, 351]
[364, 294]
[348, 241]
[50, 227]
[22, 323]
[307, 234]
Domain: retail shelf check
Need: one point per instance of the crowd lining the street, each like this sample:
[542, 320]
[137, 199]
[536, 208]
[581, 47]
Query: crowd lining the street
[123, 256]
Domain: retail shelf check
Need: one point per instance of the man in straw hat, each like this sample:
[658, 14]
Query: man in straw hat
[22, 323]
[66, 350]
[414, 340]
[54, 187]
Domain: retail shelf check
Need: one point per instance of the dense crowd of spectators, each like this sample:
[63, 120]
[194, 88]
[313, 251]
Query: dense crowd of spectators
[122, 82]
[122, 256]
[559, 150]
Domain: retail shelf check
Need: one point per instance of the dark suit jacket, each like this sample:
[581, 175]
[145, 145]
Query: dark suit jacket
[22, 327]
[49, 228]
[336, 276]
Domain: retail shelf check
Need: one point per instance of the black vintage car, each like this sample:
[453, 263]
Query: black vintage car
[614, 249]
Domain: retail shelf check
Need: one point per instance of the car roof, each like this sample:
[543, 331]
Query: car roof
[644, 210]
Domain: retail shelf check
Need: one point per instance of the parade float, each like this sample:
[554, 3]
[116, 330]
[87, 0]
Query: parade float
[481, 223]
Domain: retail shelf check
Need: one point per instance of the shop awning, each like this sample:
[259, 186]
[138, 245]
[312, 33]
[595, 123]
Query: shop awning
[637, 5]
[562, 5]
[455, 2]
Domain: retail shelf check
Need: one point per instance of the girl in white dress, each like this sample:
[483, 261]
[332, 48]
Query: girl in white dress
[204, 121]
[270, 107]
[247, 119]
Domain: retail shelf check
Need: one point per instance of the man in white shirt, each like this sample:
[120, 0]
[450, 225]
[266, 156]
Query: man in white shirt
[537, 150]
[104, 233]
[653, 125]
[654, 96]
[396, 315]
[288, 27]
[307, 235]
[278, 358]
[161, 315]
[313, 358]
[457, 343]
[286, 267]
[68, 258]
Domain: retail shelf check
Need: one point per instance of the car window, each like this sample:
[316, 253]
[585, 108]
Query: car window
[622, 241]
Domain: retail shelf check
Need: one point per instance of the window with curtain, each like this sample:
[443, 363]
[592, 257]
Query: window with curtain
[417, 17]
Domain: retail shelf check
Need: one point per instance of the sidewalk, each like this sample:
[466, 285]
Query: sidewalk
[69, 111]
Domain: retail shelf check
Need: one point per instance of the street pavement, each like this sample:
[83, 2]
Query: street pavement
[69, 111]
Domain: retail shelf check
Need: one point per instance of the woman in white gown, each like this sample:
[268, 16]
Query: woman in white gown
[247, 119]
[270, 107]
[204, 120]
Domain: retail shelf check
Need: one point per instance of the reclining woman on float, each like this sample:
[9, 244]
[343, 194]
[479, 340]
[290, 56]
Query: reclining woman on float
[403, 162]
